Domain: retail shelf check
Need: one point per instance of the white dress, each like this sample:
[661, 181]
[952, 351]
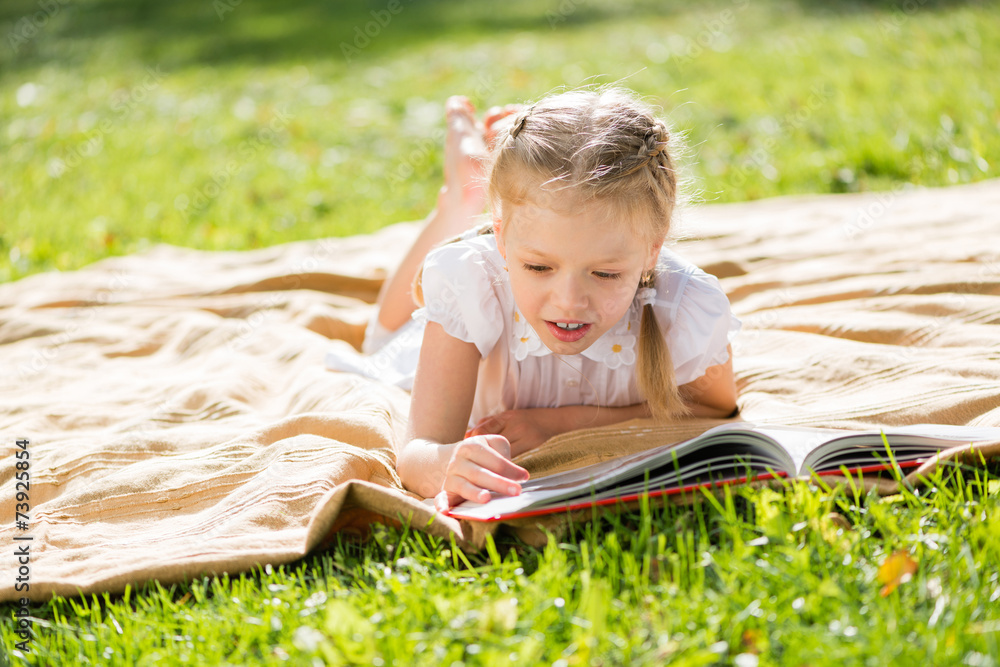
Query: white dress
[467, 291]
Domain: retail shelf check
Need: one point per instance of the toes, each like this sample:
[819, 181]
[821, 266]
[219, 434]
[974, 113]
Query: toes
[456, 102]
[494, 116]
[499, 113]
[459, 105]
[465, 134]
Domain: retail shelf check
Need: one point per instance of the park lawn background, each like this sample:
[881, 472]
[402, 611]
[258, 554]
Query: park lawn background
[238, 124]
[218, 125]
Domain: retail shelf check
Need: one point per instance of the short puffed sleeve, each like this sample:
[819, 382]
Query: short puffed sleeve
[459, 288]
[701, 324]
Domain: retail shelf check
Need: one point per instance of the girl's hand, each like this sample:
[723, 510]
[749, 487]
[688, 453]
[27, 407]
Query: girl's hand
[523, 429]
[478, 465]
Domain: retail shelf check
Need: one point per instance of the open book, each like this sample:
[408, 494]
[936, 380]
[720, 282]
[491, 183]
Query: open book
[731, 453]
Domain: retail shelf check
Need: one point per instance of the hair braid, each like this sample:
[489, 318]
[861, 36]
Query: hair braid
[655, 365]
[519, 122]
[651, 151]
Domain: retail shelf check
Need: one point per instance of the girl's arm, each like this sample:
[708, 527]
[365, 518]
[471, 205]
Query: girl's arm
[437, 458]
[712, 395]
[528, 428]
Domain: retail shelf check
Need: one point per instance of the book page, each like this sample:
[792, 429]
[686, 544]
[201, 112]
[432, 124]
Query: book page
[949, 432]
[917, 442]
[799, 441]
[541, 490]
[819, 448]
[550, 489]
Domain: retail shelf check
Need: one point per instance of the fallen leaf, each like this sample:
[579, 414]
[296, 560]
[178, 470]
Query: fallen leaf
[895, 570]
[751, 640]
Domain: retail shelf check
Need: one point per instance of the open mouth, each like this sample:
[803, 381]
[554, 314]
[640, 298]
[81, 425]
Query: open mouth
[568, 332]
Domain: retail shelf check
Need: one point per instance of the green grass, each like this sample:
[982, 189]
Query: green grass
[757, 577]
[124, 124]
[129, 123]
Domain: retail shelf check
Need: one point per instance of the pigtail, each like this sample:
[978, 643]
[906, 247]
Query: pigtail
[655, 367]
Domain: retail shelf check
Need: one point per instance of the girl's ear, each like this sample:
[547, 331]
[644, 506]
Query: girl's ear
[654, 254]
[499, 237]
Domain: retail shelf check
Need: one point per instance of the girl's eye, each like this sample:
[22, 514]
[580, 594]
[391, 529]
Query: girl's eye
[535, 268]
[607, 276]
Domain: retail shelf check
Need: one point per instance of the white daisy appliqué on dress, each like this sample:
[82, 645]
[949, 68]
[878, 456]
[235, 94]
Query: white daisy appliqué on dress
[616, 348]
[525, 340]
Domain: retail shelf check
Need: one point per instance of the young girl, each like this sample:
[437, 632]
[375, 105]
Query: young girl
[565, 311]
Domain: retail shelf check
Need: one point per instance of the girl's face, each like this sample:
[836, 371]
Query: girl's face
[573, 274]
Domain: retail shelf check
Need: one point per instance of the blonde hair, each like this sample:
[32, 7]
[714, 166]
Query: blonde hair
[601, 147]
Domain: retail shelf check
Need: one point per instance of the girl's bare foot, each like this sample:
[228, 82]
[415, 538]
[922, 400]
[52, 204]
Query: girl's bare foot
[460, 201]
[464, 191]
[492, 123]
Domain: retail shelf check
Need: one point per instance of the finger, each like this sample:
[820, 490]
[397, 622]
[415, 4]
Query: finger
[501, 445]
[484, 478]
[494, 441]
[444, 500]
[475, 483]
[487, 426]
[486, 459]
[460, 490]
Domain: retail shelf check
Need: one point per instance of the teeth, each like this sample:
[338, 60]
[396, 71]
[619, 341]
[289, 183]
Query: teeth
[568, 327]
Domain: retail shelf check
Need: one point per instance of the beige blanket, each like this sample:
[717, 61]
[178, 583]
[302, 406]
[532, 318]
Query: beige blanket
[179, 420]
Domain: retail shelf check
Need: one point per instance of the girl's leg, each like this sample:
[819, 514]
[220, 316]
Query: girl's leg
[460, 200]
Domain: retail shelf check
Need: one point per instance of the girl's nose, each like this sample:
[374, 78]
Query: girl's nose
[570, 296]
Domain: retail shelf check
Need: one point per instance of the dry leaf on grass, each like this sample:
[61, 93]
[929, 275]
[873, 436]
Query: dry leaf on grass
[895, 570]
